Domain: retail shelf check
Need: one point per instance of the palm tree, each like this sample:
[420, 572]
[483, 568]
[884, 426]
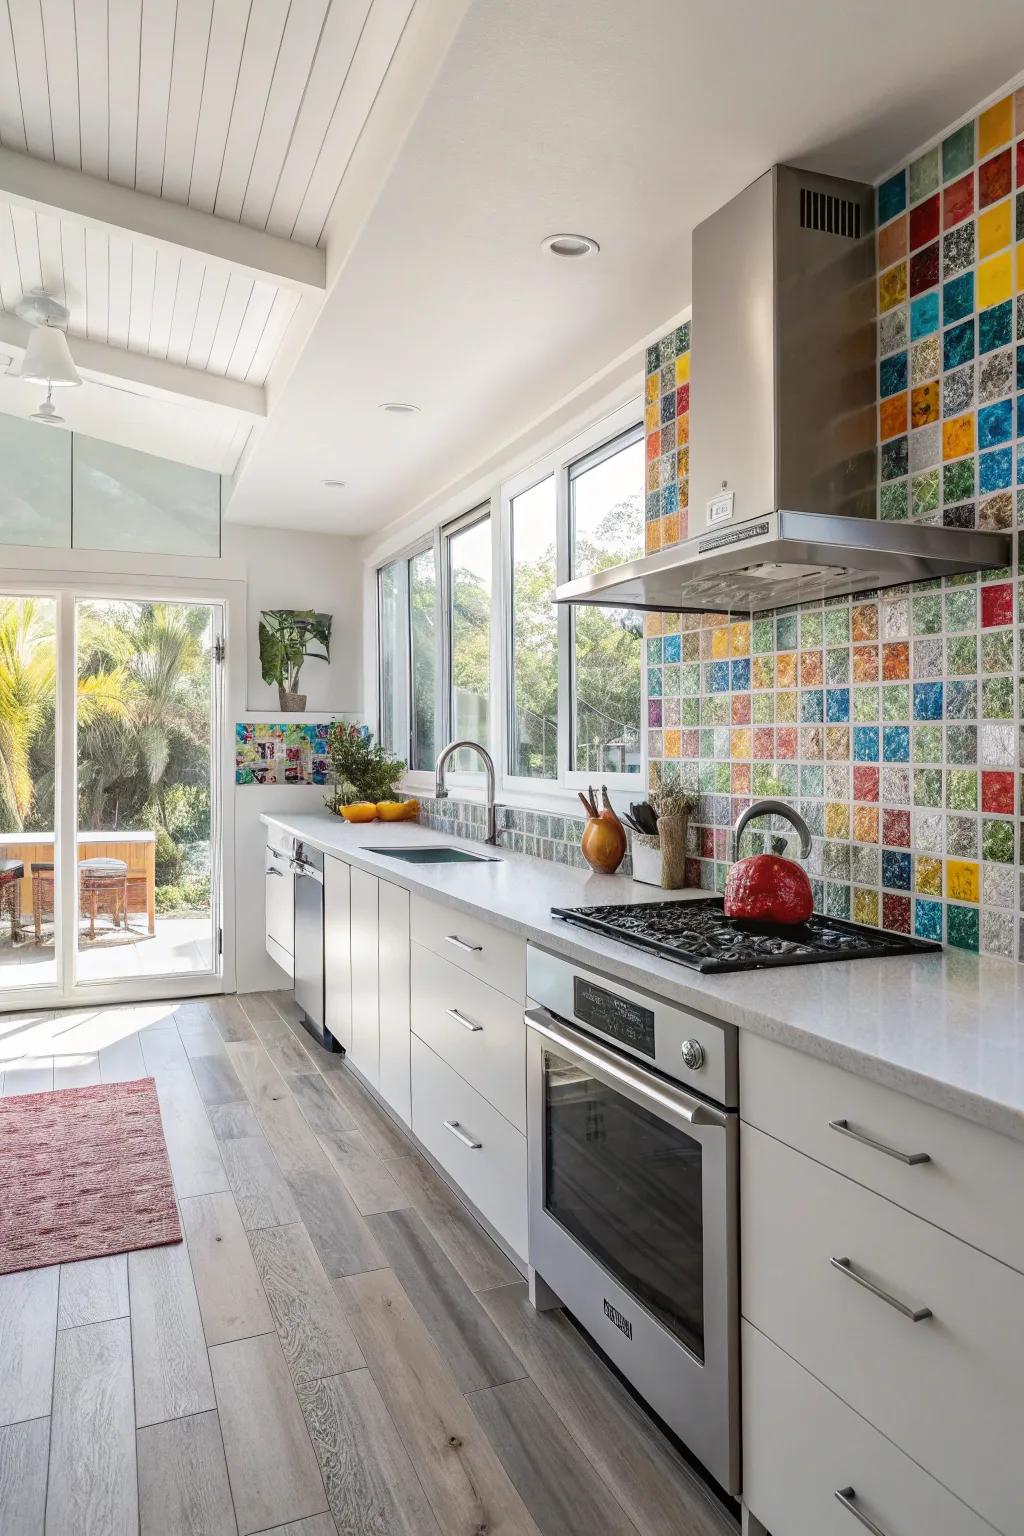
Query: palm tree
[28, 671]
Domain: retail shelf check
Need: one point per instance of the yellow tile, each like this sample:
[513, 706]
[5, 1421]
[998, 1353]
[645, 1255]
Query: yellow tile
[995, 280]
[652, 388]
[837, 820]
[994, 229]
[683, 369]
[928, 877]
[741, 741]
[652, 417]
[962, 879]
[995, 126]
[785, 707]
[652, 624]
[683, 429]
[672, 747]
[1020, 267]
[892, 286]
[670, 623]
[957, 437]
[720, 642]
[652, 535]
[740, 639]
[865, 906]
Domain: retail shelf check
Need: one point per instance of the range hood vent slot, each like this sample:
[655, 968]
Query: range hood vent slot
[829, 214]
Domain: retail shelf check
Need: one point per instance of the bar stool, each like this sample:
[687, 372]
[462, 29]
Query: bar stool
[12, 872]
[103, 883]
[42, 896]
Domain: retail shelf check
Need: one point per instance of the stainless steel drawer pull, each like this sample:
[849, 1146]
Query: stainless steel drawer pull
[474, 949]
[461, 1135]
[847, 1497]
[460, 1018]
[915, 1314]
[910, 1158]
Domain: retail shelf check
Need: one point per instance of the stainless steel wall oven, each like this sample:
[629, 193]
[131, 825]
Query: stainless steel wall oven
[633, 1171]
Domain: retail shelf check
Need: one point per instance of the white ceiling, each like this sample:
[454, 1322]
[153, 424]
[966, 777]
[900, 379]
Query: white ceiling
[629, 122]
[268, 216]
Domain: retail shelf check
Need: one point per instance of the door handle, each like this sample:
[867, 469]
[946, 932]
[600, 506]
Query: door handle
[912, 1159]
[461, 1135]
[847, 1497]
[460, 1018]
[275, 871]
[915, 1314]
[453, 938]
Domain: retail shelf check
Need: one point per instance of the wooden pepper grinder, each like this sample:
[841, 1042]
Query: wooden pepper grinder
[604, 837]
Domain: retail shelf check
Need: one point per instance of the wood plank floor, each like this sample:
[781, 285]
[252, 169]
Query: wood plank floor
[337, 1348]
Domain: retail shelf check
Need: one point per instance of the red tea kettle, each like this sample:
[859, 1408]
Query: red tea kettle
[767, 888]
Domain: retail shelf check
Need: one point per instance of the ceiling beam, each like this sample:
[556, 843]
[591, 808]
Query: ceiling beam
[49, 188]
[153, 376]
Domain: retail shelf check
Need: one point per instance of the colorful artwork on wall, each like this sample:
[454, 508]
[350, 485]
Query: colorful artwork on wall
[268, 752]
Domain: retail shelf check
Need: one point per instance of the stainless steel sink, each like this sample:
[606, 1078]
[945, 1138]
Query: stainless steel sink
[437, 855]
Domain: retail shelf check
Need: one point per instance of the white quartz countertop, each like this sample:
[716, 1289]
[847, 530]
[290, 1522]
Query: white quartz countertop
[947, 1028]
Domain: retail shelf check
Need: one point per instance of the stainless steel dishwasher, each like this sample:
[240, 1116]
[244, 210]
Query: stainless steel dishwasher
[308, 872]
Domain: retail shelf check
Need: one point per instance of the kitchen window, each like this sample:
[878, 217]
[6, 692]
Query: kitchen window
[468, 613]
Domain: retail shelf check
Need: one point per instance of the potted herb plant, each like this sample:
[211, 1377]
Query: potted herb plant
[362, 773]
[287, 637]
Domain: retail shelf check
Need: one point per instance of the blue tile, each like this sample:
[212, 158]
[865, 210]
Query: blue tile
[812, 706]
[1020, 367]
[654, 651]
[652, 506]
[895, 870]
[741, 675]
[962, 699]
[670, 498]
[837, 705]
[927, 701]
[672, 648]
[654, 682]
[892, 374]
[995, 327]
[718, 677]
[995, 470]
[928, 920]
[668, 406]
[896, 744]
[892, 197]
[924, 316]
[995, 424]
[1020, 418]
[865, 743]
[958, 344]
[958, 298]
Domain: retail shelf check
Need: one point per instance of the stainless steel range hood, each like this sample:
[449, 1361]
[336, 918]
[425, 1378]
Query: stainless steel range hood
[783, 452]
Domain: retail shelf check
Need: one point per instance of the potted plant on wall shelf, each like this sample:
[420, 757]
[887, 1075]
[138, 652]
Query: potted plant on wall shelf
[288, 636]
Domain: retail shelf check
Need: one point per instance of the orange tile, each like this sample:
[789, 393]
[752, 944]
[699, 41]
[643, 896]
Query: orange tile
[683, 429]
[957, 436]
[896, 660]
[652, 535]
[924, 404]
[683, 463]
[892, 417]
[892, 242]
[892, 287]
[995, 126]
[670, 532]
[741, 778]
[864, 621]
[865, 824]
[865, 663]
[811, 674]
[785, 669]
[653, 445]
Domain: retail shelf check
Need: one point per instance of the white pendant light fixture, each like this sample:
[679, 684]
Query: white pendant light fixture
[47, 359]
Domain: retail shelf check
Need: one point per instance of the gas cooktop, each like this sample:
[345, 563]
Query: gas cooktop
[698, 934]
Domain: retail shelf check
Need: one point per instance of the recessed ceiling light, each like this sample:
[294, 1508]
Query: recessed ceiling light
[335, 485]
[400, 407]
[572, 246]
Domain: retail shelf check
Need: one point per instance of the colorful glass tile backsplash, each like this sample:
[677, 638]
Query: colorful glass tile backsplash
[891, 720]
[281, 753]
[667, 427]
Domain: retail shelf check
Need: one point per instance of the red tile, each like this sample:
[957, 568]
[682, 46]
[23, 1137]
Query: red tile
[785, 741]
[653, 445]
[693, 874]
[997, 792]
[741, 709]
[689, 745]
[896, 829]
[994, 179]
[706, 842]
[924, 269]
[895, 912]
[682, 399]
[958, 201]
[764, 743]
[895, 661]
[723, 835]
[865, 782]
[811, 675]
[997, 605]
[741, 778]
[924, 222]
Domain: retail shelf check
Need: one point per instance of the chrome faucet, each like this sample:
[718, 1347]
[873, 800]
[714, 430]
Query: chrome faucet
[771, 808]
[441, 790]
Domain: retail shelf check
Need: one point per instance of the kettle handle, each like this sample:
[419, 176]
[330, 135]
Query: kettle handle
[772, 808]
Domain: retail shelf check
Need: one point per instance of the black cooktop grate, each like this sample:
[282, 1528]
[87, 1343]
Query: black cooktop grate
[698, 934]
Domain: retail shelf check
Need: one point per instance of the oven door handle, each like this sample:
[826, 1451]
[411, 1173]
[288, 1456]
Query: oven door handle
[619, 1073]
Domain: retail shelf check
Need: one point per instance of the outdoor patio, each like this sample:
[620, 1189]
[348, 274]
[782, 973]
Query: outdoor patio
[179, 945]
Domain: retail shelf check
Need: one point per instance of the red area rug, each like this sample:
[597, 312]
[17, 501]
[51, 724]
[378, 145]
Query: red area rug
[83, 1173]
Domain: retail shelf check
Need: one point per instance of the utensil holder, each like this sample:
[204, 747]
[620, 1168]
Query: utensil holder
[646, 859]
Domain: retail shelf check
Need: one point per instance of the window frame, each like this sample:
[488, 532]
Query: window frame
[481, 512]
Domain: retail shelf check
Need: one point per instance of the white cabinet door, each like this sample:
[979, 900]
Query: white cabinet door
[338, 952]
[280, 909]
[365, 1048]
[393, 971]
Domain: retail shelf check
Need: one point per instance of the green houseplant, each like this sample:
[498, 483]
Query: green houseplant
[287, 637]
[360, 768]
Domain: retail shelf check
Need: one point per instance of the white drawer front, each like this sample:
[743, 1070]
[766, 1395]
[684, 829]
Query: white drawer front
[947, 1389]
[449, 1116]
[801, 1445]
[476, 1030]
[971, 1184]
[497, 957]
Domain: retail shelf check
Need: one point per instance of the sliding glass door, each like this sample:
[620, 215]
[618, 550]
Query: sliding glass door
[110, 813]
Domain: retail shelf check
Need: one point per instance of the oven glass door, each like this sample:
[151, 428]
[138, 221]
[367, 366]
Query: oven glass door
[627, 1185]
